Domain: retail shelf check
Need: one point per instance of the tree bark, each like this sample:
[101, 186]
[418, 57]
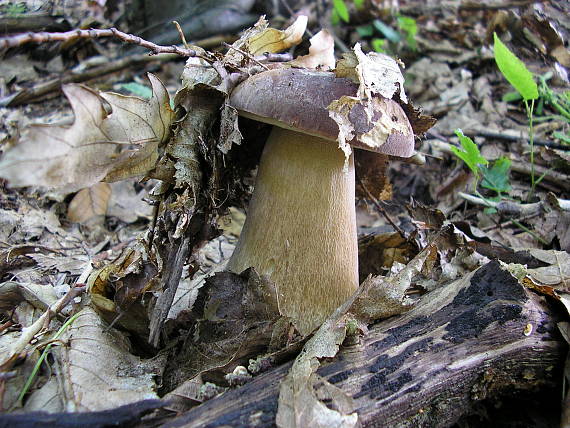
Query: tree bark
[483, 337]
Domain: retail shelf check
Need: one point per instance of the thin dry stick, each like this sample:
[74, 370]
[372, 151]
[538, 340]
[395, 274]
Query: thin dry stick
[44, 37]
[246, 55]
[34, 93]
[181, 34]
[28, 94]
[382, 210]
[29, 332]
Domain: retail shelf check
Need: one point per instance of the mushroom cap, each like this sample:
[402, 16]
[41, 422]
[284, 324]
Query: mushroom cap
[297, 99]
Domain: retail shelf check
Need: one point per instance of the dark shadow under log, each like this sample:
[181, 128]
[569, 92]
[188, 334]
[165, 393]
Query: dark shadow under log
[479, 338]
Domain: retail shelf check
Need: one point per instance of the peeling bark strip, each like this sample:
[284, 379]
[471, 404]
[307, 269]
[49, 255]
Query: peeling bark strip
[461, 344]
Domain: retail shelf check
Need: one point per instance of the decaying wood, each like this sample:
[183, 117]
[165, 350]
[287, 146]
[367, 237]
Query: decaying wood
[483, 337]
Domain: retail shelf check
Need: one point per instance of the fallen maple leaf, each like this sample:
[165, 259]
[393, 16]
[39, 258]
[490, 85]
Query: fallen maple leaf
[98, 146]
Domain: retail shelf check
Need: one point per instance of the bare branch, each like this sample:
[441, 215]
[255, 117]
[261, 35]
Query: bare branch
[45, 37]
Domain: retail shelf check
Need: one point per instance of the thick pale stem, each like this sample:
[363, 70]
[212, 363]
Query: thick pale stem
[301, 227]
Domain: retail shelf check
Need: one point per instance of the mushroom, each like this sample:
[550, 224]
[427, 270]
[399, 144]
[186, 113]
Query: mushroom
[300, 228]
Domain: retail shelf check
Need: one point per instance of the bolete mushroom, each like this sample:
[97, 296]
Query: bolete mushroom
[300, 228]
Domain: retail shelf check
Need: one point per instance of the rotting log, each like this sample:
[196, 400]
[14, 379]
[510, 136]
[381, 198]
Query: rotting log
[480, 338]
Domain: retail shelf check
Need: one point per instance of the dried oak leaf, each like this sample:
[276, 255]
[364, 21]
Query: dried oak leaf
[98, 146]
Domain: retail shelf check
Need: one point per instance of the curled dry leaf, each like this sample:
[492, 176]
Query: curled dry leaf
[376, 73]
[552, 279]
[299, 405]
[100, 372]
[321, 53]
[89, 202]
[89, 151]
[371, 133]
[379, 79]
[273, 41]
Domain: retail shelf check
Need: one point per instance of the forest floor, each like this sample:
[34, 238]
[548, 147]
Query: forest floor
[495, 168]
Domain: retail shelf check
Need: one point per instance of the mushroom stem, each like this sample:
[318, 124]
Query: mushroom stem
[300, 228]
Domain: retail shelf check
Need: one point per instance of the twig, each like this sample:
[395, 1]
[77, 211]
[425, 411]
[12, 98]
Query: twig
[28, 333]
[34, 93]
[527, 210]
[29, 94]
[45, 37]
[247, 55]
[514, 208]
[382, 211]
[274, 57]
[181, 33]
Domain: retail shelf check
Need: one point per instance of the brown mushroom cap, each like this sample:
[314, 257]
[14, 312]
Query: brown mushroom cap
[297, 99]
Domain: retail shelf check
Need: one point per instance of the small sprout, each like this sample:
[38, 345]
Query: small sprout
[470, 153]
[341, 10]
[515, 71]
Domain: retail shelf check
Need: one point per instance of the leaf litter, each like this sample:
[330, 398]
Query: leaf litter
[394, 284]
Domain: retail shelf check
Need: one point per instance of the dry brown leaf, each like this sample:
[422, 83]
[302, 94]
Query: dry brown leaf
[299, 405]
[89, 202]
[376, 73]
[376, 132]
[321, 53]
[552, 280]
[379, 78]
[100, 372]
[89, 151]
[273, 41]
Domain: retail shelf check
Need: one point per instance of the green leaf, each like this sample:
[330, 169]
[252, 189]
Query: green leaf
[410, 27]
[497, 177]
[335, 19]
[378, 45]
[515, 71]
[341, 10]
[470, 153]
[15, 9]
[386, 31]
[365, 30]
[564, 138]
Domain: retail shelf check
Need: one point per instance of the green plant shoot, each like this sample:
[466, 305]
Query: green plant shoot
[410, 27]
[341, 10]
[470, 154]
[387, 31]
[378, 45]
[496, 178]
[522, 80]
[515, 71]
